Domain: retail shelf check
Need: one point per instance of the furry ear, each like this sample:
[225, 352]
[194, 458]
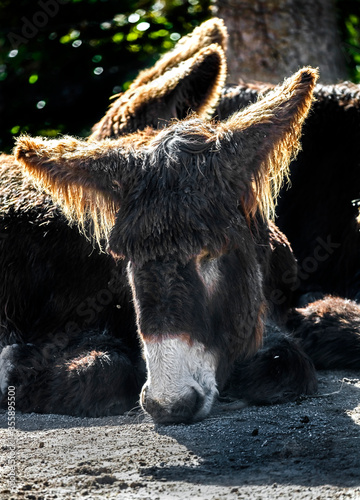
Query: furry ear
[210, 32]
[193, 85]
[82, 177]
[265, 137]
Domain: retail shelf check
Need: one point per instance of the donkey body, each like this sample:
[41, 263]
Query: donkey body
[195, 266]
[56, 292]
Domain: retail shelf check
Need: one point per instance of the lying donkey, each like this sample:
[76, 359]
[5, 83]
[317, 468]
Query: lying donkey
[47, 296]
[186, 217]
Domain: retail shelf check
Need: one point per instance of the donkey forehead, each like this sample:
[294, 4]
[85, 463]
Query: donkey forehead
[184, 163]
[182, 200]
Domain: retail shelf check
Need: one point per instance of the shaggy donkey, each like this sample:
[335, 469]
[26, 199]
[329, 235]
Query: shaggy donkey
[318, 212]
[54, 286]
[188, 212]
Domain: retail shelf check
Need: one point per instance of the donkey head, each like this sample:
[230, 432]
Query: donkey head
[184, 209]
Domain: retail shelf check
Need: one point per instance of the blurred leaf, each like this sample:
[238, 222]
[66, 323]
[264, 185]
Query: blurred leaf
[33, 78]
[349, 24]
[118, 37]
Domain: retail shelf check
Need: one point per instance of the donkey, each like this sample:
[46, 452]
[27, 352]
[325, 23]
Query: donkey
[195, 259]
[185, 214]
[47, 296]
[318, 211]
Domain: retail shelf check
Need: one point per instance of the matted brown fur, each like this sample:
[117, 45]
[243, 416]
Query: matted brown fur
[204, 46]
[152, 95]
[208, 33]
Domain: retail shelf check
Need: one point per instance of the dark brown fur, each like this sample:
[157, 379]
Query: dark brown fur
[318, 207]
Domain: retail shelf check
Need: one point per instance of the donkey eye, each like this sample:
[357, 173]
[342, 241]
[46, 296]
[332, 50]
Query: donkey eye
[205, 256]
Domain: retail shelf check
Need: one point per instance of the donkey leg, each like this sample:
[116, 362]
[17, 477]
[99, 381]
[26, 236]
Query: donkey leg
[329, 332]
[88, 379]
[280, 371]
[96, 380]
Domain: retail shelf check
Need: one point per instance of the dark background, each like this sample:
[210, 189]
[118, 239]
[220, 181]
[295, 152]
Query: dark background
[61, 60]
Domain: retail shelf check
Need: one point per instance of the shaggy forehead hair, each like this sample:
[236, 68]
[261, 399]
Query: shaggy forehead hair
[189, 197]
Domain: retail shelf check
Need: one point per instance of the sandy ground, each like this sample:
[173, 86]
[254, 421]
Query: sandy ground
[307, 449]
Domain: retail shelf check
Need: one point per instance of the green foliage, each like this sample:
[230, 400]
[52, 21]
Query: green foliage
[61, 60]
[349, 23]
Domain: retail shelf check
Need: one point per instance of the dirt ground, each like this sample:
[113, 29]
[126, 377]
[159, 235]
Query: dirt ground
[307, 449]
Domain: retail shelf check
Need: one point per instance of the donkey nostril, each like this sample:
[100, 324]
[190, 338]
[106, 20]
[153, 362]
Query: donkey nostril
[183, 410]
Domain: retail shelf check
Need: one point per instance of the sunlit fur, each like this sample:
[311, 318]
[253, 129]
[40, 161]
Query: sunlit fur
[207, 68]
[321, 202]
[288, 116]
[73, 186]
[199, 58]
[210, 32]
[78, 174]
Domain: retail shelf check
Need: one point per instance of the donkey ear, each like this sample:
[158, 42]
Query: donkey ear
[210, 32]
[82, 177]
[265, 137]
[194, 85]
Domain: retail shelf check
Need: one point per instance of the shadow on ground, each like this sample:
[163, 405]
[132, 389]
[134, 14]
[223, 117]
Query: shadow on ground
[301, 450]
